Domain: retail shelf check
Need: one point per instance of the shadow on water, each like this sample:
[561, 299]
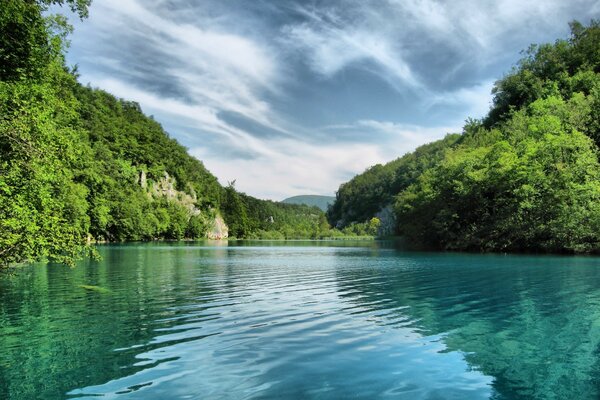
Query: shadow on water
[531, 322]
[291, 320]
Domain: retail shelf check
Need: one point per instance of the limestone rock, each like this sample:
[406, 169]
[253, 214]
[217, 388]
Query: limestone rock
[388, 221]
[218, 230]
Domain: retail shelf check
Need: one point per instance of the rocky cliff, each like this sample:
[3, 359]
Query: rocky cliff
[166, 187]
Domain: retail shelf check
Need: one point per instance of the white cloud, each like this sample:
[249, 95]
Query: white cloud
[475, 101]
[295, 167]
[482, 25]
[220, 70]
[332, 51]
[332, 44]
[391, 33]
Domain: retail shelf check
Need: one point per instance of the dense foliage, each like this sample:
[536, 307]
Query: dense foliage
[366, 194]
[249, 217]
[526, 178]
[533, 184]
[78, 164]
[563, 68]
[43, 208]
[289, 221]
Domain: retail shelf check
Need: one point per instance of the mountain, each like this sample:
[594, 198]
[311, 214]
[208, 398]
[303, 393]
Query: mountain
[524, 178]
[311, 200]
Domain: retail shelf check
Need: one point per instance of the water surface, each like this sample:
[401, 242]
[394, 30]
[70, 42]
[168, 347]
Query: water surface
[259, 320]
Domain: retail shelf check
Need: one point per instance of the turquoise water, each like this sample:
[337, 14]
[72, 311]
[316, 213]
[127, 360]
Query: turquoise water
[257, 320]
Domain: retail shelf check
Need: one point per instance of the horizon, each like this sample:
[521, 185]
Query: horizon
[294, 98]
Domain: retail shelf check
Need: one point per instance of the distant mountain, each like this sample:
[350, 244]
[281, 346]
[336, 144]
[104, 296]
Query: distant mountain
[311, 200]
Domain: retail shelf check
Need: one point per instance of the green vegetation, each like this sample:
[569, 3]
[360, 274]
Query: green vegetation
[366, 194]
[79, 165]
[251, 218]
[525, 178]
[322, 202]
[272, 220]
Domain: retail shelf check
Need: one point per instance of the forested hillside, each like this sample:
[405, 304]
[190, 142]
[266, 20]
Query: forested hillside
[79, 165]
[525, 178]
[366, 194]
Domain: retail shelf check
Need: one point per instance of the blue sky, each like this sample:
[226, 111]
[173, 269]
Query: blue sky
[295, 97]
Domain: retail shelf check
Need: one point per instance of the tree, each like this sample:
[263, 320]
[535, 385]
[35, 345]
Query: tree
[546, 66]
[534, 185]
[234, 212]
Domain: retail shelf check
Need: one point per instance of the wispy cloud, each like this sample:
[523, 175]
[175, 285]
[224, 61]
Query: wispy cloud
[217, 70]
[332, 45]
[475, 100]
[294, 168]
[318, 168]
[396, 36]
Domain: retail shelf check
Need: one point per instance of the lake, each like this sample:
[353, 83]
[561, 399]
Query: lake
[301, 320]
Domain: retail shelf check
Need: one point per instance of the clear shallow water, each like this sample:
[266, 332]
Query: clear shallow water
[302, 321]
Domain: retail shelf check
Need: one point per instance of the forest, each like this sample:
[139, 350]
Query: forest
[78, 165]
[524, 178]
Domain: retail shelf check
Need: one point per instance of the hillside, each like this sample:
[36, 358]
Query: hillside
[525, 178]
[367, 194]
[321, 202]
[79, 165]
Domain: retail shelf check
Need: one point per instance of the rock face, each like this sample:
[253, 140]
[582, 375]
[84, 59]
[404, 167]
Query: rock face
[388, 221]
[143, 180]
[218, 230]
[166, 186]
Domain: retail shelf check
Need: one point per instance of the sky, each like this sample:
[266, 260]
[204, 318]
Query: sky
[290, 97]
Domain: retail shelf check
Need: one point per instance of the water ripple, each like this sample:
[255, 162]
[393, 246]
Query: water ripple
[311, 322]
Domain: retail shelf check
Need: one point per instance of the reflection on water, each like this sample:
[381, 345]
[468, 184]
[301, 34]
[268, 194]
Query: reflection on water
[302, 320]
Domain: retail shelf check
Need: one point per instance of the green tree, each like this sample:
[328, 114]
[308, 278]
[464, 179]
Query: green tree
[368, 193]
[546, 66]
[234, 212]
[532, 186]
